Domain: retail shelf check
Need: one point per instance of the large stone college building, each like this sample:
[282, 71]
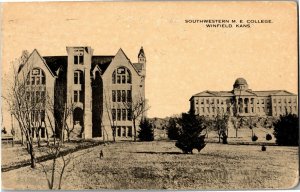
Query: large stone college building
[242, 101]
[99, 89]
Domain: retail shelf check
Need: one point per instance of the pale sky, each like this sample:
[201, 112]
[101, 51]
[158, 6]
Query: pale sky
[182, 59]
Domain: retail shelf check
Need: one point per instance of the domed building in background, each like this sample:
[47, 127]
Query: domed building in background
[242, 101]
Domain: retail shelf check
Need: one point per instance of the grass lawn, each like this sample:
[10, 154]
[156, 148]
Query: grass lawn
[160, 165]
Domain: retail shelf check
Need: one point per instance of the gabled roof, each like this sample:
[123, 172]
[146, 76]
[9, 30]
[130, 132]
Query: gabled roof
[43, 60]
[102, 62]
[56, 62]
[120, 51]
[138, 66]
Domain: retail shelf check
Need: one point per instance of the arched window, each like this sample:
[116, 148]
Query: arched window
[78, 77]
[36, 77]
[121, 75]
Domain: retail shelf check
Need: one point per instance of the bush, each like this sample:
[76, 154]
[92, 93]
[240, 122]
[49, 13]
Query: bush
[254, 138]
[190, 135]
[173, 129]
[145, 133]
[268, 137]
[286, 130]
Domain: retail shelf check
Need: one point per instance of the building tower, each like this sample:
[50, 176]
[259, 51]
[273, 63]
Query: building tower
[142, 61]
[79, 93]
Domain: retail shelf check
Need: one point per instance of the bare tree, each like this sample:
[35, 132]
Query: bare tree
[111, 117]
[62, 110]
[136, 107]
[59, 160]
[26, 105]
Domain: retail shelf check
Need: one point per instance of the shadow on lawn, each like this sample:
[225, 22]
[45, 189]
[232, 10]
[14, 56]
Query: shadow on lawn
[160, 153]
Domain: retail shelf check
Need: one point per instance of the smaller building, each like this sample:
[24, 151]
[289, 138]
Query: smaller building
[242, 101]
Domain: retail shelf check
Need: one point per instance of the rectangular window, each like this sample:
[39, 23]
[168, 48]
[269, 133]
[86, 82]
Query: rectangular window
[32, 80]
[279, 101]
[119, 95]
[119, 131]
[118, 79]
[124, 132]
[76, 78]
[290, 100]
[280, 109]
[119, 114]
[129, 118]
[43, 80]
[38, 80]
[81, 96]
[202, 109]
[196, 101]
[114, 96]
[81, 59]
[262, 101]
[202, 101]
[128, 78]
[222, 102]
[124, 114]
[212, 101]
[43, 132]
[113, 111]
[218, 101]
[208, 110]
[37, 96]
[123, 79]
[207, 101]
[75, 96]
[257, 101]
[123, 96]
[43, 97]
[76, 60]
[43, 116]
[129, 131]
[129, 98]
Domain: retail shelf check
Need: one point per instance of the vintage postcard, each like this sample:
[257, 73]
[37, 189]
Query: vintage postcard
[149, 95]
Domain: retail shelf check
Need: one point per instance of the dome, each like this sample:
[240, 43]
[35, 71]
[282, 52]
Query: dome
[240, 81]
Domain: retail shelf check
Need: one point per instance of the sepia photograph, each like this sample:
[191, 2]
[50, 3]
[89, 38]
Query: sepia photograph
[149, 95]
